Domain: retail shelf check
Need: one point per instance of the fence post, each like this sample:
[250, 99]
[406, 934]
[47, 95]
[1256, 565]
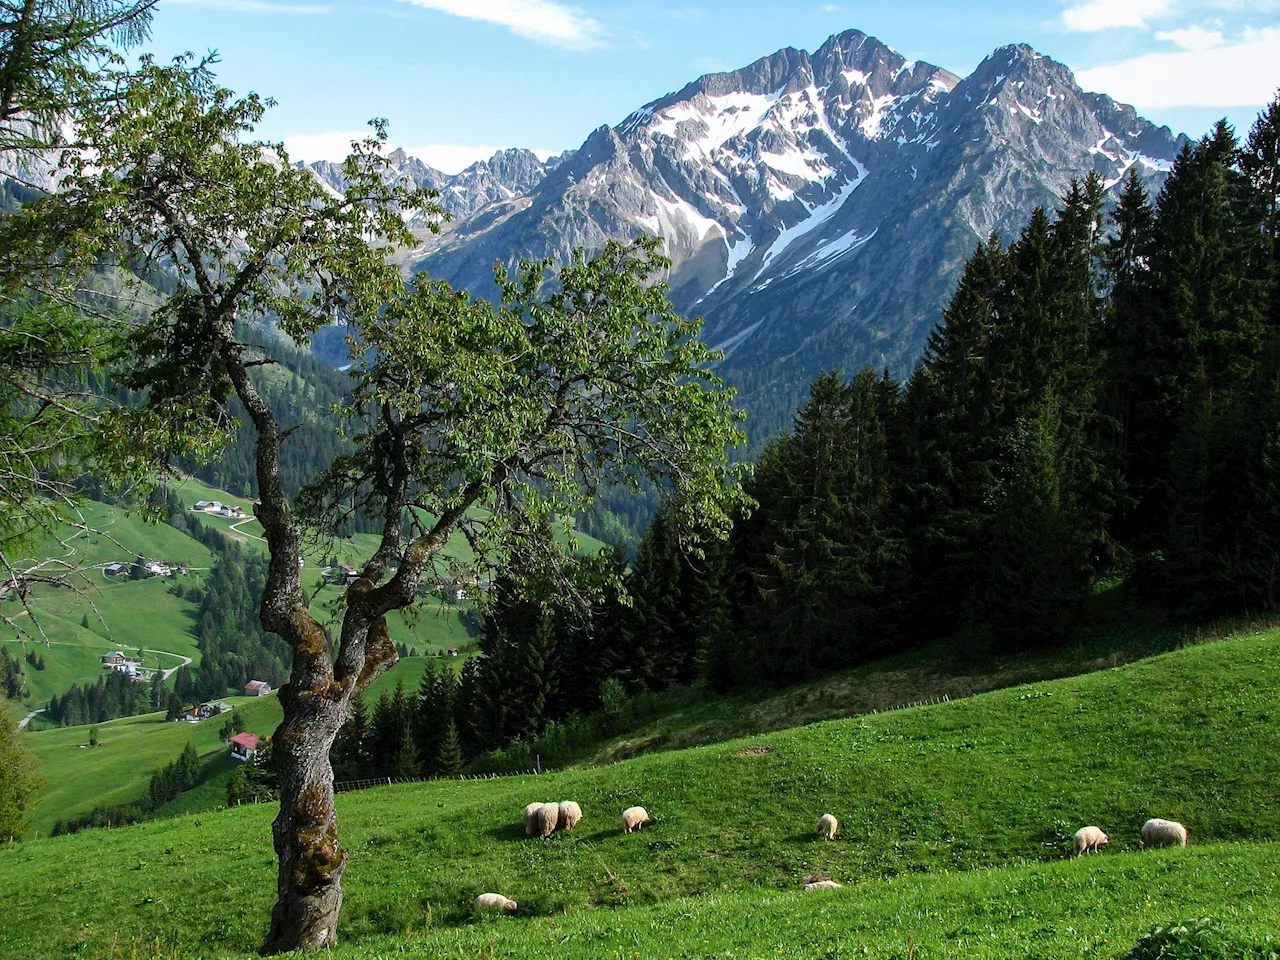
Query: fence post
[538, 762]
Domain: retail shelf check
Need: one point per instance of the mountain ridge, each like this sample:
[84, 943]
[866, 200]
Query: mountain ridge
[817, 207]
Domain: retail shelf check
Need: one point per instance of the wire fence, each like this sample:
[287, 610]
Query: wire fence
[915, 703]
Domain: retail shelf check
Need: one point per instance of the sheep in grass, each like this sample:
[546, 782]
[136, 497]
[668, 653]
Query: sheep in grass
[828, 827]
[495, 901]
[1088, 840]
[633, 818]
[545, 819]
[529, 821]
[1163, 833]
[823, 885]
[570, 814]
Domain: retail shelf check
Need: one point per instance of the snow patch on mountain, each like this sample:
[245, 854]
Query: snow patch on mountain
[720, 119]
[676, 215]
[831, 250]
[815, 217]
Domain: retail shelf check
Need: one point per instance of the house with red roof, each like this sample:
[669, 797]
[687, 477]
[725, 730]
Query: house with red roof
[244, 746]
[257, 688]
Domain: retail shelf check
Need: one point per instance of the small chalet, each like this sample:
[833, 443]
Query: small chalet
[204, 711]
[113, 659]
[257, 688]
[116, 570]
[230, 512]
[207, 506]
[157, 569]
[244, 746]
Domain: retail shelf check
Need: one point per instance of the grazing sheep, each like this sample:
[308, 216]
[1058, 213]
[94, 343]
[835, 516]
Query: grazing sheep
[823, 885]
[529, 822]
[1163, 833]
[633, 818]
[545, 819]
[495, 901]
[570, 814]
[828, 827]
[1088, 840]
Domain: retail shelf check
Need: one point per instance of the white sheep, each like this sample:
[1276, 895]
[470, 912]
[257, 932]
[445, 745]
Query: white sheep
[495, 901]
[529, 822]
[570, 814]
[1163, 833]
[823, 885]
[828, 826]
[633, 818]
[1088, 840]
[546, 818]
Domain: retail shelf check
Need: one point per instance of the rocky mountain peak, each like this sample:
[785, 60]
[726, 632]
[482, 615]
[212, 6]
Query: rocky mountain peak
[817, 207]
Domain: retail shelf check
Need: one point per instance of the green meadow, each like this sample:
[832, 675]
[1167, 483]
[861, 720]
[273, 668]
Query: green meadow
[79, 777]
[956, 821]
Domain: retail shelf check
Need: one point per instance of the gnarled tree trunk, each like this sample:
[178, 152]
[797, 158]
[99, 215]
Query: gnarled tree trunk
[305, 832]
[315, 701]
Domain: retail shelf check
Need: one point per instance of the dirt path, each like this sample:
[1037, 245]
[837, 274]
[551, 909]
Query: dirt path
[240, 533]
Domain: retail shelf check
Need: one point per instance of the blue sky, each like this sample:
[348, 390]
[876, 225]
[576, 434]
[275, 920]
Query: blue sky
[460, 78]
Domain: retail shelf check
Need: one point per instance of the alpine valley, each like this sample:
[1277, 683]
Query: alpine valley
[817, 208]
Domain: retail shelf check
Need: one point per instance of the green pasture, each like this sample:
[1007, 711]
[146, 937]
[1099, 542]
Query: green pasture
[955, 820]
[79, 777]
[133, 613]
[73, 654]
[130, 749]
[117, 535]
[1112, 633]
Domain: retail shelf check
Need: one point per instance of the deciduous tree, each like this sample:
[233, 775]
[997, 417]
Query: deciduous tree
[471, 417]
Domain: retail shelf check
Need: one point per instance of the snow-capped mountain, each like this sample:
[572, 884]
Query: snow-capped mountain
[817, 207]
[504, 176]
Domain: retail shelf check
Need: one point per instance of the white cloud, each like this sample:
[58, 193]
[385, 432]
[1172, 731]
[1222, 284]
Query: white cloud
[334, 145]
[1240, 74]
[543, 20]
[828, 8]
[1192, 38]
[252, 6]
[1106, 14]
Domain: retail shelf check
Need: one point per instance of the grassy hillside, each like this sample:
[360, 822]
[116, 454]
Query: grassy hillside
[997, 781]
[74, 627]
[118, 535]
[117, 771]
[1113, 632]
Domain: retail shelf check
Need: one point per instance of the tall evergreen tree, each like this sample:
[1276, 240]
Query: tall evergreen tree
[348, 753]
[448, 760]
[949, 445]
